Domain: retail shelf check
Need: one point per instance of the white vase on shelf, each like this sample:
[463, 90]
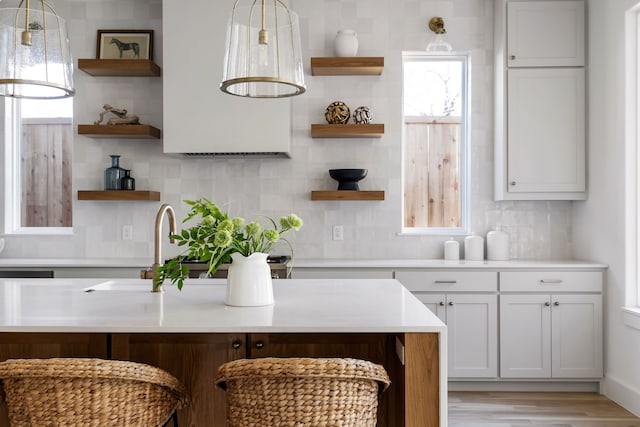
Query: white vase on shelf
[249, 281]
[346, 43]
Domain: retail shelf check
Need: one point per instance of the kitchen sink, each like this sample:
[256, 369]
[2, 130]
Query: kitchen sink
[140, 285]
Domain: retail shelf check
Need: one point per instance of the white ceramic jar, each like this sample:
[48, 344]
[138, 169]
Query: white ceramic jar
[474, 248]
[346, 43]
[451, 250]
[497, 245]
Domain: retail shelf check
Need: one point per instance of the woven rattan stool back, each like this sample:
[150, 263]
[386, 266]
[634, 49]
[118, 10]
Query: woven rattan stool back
[89, 393]
[310, 392]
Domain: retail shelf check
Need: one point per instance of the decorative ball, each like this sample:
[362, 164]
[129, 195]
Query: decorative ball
[337, 113]
[362, 116]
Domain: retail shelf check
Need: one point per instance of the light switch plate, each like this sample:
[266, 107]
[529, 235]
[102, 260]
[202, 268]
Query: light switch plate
[127, 232]
[338, 232]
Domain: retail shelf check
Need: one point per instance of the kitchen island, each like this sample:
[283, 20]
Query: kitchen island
[190, 333]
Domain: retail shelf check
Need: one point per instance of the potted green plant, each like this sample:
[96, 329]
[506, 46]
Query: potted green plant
[217, 237]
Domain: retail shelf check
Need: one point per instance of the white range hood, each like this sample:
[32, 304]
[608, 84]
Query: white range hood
[198, 119]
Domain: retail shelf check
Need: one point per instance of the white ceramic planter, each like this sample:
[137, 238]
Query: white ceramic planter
[249, 281]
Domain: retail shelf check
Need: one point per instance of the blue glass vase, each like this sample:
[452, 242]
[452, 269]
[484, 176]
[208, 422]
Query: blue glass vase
[113, 175]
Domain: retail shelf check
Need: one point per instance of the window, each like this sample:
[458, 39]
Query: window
[38, 141]
[435, 144]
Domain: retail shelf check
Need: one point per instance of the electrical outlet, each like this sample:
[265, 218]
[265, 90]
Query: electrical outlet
[127, 232]
[338, 232]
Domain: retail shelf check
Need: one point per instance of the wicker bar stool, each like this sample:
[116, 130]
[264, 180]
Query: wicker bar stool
[89, 393]
[296, 392]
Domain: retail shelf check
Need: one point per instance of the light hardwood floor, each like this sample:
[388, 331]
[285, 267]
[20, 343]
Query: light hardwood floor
[501, 409]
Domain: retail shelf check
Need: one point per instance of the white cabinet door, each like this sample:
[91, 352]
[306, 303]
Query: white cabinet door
[551, 336]
[576, 331]
[546, 131]
[525, 336]
[436, 303]
[472, 325]
[545, 34]
[472, 332]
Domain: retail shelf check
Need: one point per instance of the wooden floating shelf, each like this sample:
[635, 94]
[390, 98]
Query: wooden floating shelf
[347, 195]
[147, 196]
[119, 67]
[119, 131]
[347, 66]
[347, 131]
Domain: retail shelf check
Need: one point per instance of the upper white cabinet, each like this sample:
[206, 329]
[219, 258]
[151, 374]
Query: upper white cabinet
[546, 131]
[545, 33]
[540, 111]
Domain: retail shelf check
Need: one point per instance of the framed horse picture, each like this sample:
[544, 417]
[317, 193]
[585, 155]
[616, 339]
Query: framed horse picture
[125, 44]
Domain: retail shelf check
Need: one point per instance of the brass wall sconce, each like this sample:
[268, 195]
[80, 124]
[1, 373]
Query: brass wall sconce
[439, 42]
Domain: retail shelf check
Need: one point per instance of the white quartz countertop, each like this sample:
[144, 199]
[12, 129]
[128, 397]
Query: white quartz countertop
[440, 264]
[7, 263]
[128, 305]
[75, 262]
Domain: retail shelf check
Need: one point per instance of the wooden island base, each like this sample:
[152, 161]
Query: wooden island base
[412, 400]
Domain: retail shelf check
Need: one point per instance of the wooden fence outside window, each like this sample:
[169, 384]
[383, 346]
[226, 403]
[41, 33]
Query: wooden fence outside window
[46, 172]
[432, 172]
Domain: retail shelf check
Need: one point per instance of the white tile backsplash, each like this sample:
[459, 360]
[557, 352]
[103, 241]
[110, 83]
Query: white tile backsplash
[275, 187]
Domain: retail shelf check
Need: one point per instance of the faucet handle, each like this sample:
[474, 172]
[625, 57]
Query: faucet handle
[148, 273]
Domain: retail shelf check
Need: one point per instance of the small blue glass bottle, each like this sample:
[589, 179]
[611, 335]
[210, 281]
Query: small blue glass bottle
[128, 182]
[114, 174]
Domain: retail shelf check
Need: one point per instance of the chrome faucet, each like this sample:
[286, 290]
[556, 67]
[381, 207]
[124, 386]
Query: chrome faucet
[157, 256]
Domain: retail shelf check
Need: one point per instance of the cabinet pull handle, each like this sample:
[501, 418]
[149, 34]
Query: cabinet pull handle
[512, 57]
[236, 345]
[556, 303]
[441, 303]
[550, 281]
[547, 304]
[259, 344]
[450, 302]
[446, 281]
[512, 183]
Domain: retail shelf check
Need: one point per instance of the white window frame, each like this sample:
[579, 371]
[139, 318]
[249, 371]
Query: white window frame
[631, 309]
[12, 183]
[465, 126]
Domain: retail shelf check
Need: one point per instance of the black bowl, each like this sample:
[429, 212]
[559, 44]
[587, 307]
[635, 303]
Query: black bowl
[348, 178]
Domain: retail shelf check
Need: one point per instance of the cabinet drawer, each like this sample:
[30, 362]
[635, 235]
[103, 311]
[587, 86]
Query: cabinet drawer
[551, 281]
[449, 281]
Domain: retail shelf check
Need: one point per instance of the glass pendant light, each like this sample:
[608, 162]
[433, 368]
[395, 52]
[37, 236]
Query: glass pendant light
[263, 58]
[439, 42]
[35, 60]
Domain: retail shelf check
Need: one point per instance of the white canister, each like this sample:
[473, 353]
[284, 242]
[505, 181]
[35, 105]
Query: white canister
[346, 43]
[451, 250]
[474, 248]
[497, 245]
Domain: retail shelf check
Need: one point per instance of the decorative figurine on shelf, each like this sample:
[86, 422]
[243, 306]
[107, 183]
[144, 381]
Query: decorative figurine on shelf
[362, 116]
[337, 113]
[121, 119]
